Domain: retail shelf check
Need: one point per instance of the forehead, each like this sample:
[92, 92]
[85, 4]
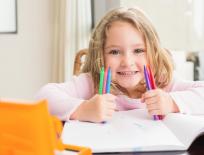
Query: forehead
[120, 23]
[121, 32]
[119, 28]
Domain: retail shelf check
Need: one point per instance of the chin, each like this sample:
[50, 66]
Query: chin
[128, 85]
[127, 82]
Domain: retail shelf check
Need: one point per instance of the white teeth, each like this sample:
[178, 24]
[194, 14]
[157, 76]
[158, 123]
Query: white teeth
[128, 73]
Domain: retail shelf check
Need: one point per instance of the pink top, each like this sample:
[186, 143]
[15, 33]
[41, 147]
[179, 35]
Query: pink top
[64, 98]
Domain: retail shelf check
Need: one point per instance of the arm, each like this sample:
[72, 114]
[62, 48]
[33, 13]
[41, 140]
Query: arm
[76, 100]
[188, 96]
[179, 96]
[159, 102]
[64, 98]
[97, 109]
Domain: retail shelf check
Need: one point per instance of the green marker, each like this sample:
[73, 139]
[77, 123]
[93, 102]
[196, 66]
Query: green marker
[100, 91]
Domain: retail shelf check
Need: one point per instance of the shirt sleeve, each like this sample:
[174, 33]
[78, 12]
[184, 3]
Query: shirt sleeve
[188, 95]
[64, 98]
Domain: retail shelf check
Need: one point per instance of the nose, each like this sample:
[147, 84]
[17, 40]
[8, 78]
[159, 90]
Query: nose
[127, 60]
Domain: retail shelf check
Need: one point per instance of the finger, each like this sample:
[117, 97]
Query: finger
[112, 108]
[152, 107]
[142, 98]
[152, 100]
[110, 113]
[110, 96]
[107, 117]
[110, 100]
[154, 112]
[111, 105]
[151, 93]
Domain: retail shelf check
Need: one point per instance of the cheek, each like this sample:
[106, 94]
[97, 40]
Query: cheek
[113, 65]
[109, 62]
[143, 61]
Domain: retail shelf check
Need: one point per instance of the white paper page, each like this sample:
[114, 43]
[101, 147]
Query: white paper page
[186, 127]
[64, 152]
[128, 131]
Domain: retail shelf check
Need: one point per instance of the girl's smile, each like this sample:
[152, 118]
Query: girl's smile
[127, 73]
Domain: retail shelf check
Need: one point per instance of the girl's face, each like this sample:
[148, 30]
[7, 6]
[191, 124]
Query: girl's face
[125, 54]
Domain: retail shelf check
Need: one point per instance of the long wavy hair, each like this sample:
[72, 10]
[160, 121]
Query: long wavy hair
[157, 57]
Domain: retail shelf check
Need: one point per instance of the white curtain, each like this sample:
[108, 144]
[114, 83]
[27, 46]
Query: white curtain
[58, 63]
[72, 28]
[78, 29]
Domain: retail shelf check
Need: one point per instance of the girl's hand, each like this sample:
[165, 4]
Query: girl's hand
[159, 102]
[97, 109]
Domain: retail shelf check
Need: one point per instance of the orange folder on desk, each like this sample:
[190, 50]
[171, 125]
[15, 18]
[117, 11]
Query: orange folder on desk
[28, 129]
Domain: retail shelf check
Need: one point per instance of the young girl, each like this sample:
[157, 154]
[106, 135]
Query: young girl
[125, 41]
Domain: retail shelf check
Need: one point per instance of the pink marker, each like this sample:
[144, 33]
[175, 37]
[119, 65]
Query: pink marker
[105, 81]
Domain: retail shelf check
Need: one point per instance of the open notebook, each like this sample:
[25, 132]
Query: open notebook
[135, 131]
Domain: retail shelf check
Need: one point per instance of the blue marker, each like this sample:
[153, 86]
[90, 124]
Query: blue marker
[108, 83]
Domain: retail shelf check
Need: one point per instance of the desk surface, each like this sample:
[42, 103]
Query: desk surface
[197, 148]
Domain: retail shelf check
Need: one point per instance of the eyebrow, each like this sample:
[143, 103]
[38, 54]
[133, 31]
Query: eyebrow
[112, 46]
[118, 46]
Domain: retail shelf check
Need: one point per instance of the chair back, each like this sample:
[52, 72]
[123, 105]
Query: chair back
[79, 61]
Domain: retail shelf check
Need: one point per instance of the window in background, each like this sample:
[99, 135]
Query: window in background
[78, 28]
[8, 16]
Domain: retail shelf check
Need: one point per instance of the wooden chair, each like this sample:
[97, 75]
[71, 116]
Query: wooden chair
[79, 60]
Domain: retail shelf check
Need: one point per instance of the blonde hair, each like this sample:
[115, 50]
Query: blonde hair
[158, 58]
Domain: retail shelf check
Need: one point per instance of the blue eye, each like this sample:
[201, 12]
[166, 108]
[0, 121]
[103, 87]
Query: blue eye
[138, 51]
[114, 52]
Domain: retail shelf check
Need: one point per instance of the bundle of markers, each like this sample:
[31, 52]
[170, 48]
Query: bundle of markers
[105, 81]
[150, 84]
